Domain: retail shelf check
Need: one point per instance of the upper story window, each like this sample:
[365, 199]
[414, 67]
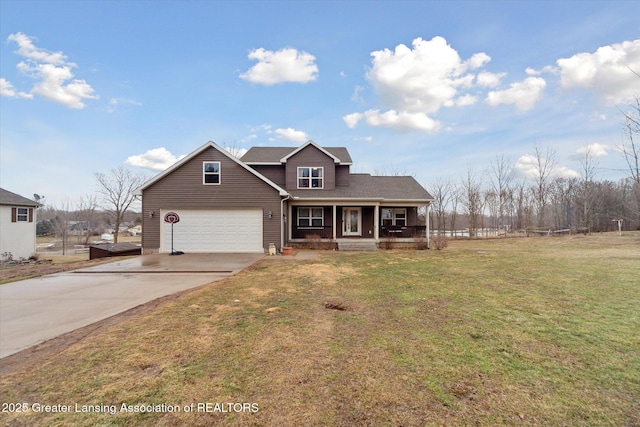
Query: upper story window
[311, 177]
[392, 217]
[211, 172]
[21, 214]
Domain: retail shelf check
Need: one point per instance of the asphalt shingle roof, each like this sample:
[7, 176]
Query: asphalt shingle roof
[365, 186]
[275, 154]
[9, 198]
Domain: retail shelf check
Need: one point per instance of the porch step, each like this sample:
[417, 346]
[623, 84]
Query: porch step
[357, 245]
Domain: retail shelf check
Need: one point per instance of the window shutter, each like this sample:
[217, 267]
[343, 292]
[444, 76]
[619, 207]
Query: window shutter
[30, 214]
[14, 214]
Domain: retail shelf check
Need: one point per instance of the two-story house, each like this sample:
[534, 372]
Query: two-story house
[281, 195]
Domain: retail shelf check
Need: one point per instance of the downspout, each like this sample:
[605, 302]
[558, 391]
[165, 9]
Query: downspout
[428, 231]
[283, 228]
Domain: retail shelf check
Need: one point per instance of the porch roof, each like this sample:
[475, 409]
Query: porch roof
[367, 187]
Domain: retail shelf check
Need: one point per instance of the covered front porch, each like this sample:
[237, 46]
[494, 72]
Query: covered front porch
[325, 225]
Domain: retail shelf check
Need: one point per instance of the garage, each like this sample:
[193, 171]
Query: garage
[214, 230]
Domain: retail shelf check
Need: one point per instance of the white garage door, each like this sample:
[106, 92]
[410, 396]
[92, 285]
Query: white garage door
[214, 231]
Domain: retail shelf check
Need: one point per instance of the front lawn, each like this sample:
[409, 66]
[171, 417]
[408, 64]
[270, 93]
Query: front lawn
[541, 331]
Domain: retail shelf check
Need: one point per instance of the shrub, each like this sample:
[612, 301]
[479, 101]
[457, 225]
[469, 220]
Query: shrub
[440, 242]
[314, 240]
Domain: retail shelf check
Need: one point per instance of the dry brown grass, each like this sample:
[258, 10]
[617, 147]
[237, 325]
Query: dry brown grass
[516, 332]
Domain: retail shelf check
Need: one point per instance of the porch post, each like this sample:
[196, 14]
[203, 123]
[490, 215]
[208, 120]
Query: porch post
[376, 223]
[427, 230]
[334, 222]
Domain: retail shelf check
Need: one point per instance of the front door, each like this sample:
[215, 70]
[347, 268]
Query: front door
[352, 218]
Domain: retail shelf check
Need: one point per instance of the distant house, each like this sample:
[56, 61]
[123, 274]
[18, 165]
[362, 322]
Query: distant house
[287, 196]
[17, 225]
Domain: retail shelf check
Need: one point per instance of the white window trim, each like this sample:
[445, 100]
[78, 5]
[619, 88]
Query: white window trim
[310, 178]
[204, 174]
[24, 215]
[394, 217]
[310, 217]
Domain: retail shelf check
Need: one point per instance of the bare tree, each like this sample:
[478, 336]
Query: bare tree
[562, 195]
[501, 177]
[630, 149]
[85, 215]
[523, 203]
[234, 149]
[117, 189]
[544, 163]
[471, 200]
[391, 171]
[442, 194]
[588, 171]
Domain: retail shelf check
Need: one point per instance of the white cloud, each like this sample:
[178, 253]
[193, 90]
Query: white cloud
[422, 79]
[53, 74]
[477, 60]
[7, 89]
[594, 150]
[607, 71]
[487, 79]
[114, 103]
[248, 138]
[282, 66]
[402, 120]
[466, 100]
[292, 135]
[414, 83]
[156, 159]
[527, 166]
[522, 94]
[28, 50]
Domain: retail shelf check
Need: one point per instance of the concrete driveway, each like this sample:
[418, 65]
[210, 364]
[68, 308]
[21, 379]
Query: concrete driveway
[35, 310]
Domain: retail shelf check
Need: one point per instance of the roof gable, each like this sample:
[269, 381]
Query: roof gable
[307, 144]
[194, 154]
[9, 198]
[276, 155]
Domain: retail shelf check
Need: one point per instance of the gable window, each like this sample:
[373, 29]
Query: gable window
[211, 172]
[397, 217]
[310, 217]
[311, 177]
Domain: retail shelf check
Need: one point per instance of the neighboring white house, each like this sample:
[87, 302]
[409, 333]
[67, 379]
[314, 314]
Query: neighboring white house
[17, 225]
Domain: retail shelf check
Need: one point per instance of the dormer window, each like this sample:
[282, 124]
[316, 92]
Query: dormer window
[309, 177]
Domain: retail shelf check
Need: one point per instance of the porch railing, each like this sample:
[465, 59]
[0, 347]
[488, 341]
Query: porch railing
[325, 232]
[403, 231]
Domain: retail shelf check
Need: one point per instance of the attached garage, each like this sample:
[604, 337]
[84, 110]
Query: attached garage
[214, 230]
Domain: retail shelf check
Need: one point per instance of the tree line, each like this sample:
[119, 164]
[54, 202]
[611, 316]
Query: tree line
[495, 199]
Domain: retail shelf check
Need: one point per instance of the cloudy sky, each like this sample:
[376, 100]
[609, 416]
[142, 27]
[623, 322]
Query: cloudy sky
[428, 88]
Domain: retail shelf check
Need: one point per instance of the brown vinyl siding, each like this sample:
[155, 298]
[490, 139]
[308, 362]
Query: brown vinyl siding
[274, 174]
[184, 189]
[342, 175]
[311, 157]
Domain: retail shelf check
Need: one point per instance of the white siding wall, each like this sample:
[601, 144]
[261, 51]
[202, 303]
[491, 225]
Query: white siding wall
[19, 238]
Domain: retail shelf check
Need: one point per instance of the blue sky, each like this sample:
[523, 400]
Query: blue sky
[428, 88]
